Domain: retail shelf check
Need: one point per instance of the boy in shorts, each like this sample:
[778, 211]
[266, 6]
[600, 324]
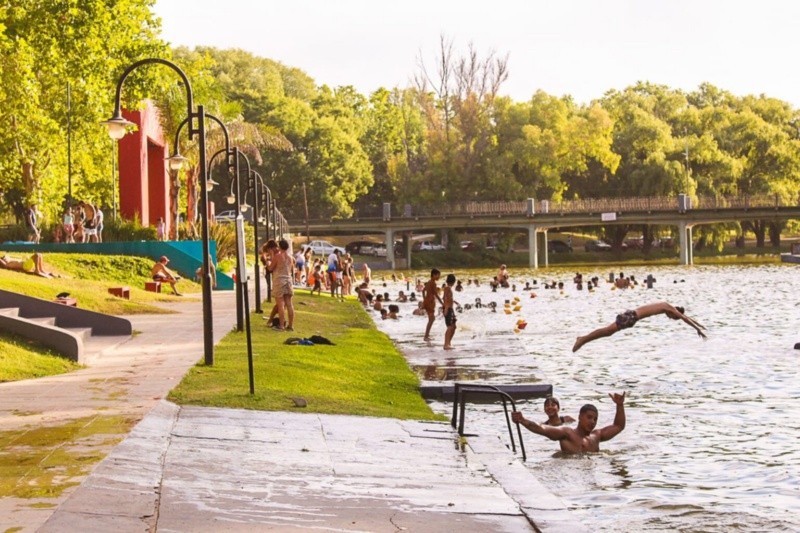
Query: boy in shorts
[430, 293]
[449, 311]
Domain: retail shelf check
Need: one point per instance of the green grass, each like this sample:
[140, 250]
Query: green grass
[364, 374]
[88, 277]
[24, 359]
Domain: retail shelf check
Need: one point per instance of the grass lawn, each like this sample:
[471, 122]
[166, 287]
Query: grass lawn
[364, 374]
[88, 278]
[24, 359]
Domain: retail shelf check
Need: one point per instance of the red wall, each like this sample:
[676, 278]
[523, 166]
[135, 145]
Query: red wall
[143, 173]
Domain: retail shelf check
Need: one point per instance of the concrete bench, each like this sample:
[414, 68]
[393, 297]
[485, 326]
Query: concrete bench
[120, 292]
[152, 286]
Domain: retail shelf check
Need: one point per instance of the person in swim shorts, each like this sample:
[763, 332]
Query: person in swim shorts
[449, 311]
[32, 265]
[628, 318]
[430, 293]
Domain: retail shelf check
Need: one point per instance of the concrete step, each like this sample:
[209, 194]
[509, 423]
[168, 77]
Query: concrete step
[9, 311]
[82, 333]
[43, 320]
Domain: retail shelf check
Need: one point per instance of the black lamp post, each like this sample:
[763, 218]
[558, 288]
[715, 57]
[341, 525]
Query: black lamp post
[117, 128]
[259, 199]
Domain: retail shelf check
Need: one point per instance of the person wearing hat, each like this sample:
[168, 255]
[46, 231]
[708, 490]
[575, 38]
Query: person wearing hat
[161, 273]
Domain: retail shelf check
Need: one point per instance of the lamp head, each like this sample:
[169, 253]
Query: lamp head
[244, 207]
[231, 198]
[117, 127]
[210, 184]
[176, 161]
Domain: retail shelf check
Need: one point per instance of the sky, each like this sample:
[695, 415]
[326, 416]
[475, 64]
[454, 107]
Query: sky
[582, 48]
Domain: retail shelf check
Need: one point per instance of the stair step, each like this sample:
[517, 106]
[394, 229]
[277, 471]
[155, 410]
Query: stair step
[43, 320]
[81, 333]
[9, 311]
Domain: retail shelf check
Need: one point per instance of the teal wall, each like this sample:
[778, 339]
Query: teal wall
[184, 256]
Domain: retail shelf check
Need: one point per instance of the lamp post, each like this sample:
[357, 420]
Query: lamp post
[117, 128]
[255, 179]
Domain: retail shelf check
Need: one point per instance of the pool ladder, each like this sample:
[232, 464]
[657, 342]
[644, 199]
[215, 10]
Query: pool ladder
[459, 407]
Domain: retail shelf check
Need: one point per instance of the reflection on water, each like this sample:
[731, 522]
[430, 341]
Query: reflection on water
[712, 430]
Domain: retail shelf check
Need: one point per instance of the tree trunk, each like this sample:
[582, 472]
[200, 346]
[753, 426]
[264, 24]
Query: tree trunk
[775, 234]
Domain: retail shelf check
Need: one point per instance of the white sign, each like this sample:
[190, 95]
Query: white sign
[608, 217]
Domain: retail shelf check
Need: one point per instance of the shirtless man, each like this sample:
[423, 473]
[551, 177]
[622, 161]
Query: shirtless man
[629, 318]
[161, 273]
[430, 293]
[583, 438]
[449, 311]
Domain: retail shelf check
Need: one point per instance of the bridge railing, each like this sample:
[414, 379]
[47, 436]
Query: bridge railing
[587, 205]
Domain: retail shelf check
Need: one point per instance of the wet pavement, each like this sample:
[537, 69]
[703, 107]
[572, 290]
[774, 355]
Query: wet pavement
[210, 469]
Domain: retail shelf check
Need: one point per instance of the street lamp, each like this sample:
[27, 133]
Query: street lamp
[118, 126]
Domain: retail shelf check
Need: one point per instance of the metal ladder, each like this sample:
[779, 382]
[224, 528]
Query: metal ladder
[459, 407]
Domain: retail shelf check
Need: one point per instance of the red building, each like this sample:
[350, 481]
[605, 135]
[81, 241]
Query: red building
[144, 180]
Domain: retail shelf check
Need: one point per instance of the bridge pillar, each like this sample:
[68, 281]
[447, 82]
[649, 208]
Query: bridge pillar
[685, 243]
[533, 255]
[543, 239]
[390, 248]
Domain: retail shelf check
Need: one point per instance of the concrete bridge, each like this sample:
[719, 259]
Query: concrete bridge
[537, 218]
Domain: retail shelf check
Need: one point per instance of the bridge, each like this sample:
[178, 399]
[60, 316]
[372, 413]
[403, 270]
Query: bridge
[537, 218]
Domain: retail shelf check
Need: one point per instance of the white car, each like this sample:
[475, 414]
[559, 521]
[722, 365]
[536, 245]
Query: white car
[430, 246]
[379, 250]
[321, 247]
[225, 216]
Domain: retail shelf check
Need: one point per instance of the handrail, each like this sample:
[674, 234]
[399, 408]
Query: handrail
[459, 406]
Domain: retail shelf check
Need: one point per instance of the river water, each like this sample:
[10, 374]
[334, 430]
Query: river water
[712, 441]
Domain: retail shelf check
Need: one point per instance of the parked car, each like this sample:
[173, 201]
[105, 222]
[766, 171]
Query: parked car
[596, 245]
[379, 250]
[360, 248]
[558, 247]
[321, 247]
[430, 246]
[225, 216]
[468, 246]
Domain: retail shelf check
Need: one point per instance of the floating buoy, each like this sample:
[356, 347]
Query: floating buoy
[516, 330]
[517, 307]
[797, 346]
[521, 324]
[533, 295]
[507, 310]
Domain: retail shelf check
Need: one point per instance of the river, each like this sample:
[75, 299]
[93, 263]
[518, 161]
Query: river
[711, 442]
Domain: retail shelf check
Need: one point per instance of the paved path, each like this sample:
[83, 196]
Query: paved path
[207, 469]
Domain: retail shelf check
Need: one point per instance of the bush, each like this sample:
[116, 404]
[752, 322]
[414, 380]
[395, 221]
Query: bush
[16, 232]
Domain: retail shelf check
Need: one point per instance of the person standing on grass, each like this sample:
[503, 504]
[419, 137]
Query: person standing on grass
[449, 311]
[333, 271]
[282, 268]
[430, 293]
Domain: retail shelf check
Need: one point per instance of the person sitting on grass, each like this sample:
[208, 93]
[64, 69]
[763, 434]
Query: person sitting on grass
[162, 274]
[33, 265]
[629, 318]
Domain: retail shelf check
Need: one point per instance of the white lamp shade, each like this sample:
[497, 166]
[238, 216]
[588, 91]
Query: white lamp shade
[117, 127]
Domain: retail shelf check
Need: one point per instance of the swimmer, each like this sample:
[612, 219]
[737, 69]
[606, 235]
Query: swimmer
[430, 294]
[551, 409]
[629, 318]
[449, 312]
[583, 438]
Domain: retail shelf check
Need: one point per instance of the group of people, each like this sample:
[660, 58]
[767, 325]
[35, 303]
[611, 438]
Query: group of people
[82, 222]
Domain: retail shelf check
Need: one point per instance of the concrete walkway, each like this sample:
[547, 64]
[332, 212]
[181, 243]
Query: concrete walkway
[207, 469]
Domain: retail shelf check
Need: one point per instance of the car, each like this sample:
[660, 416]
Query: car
[360, 248]
[225, 216]
[468, 246]
[430, 246]
[379, 250]
[596, 245]
[558, 247]
[321, 247]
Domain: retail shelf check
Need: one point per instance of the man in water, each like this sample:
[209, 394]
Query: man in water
[583, 438]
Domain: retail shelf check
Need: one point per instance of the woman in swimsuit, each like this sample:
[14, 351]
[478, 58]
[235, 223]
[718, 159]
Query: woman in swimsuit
[551, 409]
[629, 318]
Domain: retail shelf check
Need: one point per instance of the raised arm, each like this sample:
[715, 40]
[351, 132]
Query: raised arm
[551, 432]
[609, 432]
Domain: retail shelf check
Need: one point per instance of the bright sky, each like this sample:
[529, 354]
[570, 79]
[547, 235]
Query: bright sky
[577, 47]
